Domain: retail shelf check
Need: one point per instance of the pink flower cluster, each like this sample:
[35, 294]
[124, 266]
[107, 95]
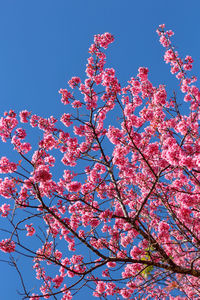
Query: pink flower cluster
[6, 166]
[24, 114]
[7, 124]
[65, 119]
[65, 96]
[74, 81]
[30, 230]
[7, 187]
[42, 174]
[4, 210]
[103, 40]
[74, 186]
[7, 246]
[58, 281]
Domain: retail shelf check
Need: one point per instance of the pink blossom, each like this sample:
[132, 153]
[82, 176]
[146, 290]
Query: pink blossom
[58, 281]
[110, 288]
[143, 73]
[162, 26]
[74, 82]
[45, 250]
[76, 104]
[170, 56]
[7, 187]
[48, 142]
[136, 252]
[7, 124]
[194, 90]
[7, 246]
[30, 229]
[98, 79]
[42, 174]
[175, 68]
[74, 186]
[160, 96]
[24, 114]
[67, 294]
[21, 133]
[187, 98]
[94, 222]
[163, 226]
[65, 119]
[125, 293]
[105, 273]
[101, 286]
[111, 264]
[16, 142]
[34, 120]
[187, 162]
[6, 166]
[104, 39]
[4, 209]
[115, 135]
[165, 42]
[65, 96]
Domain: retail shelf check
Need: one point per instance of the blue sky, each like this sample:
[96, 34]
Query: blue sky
[45, 43]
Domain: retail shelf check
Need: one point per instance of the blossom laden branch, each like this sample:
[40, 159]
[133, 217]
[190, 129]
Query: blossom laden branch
[121, 215]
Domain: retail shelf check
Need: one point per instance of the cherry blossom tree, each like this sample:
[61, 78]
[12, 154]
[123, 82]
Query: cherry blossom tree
[108, 200]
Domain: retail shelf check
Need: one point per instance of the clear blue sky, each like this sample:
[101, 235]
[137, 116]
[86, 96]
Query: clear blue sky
[44, 43]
